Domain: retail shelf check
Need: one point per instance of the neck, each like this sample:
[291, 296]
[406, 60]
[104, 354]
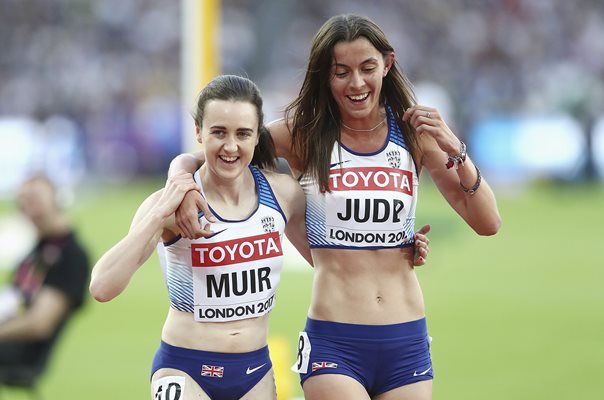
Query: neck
[54, 226]
[229, 192]
[362, 126]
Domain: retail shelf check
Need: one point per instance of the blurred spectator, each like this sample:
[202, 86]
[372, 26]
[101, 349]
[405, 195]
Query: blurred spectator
[47, 286]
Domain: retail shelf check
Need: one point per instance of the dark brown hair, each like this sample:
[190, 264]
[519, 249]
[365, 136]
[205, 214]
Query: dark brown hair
[316, 120]
[238, 88]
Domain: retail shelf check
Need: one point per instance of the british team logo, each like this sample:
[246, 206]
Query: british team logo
[394, 158]
[323, 364]
[268, 224]
[212, 371]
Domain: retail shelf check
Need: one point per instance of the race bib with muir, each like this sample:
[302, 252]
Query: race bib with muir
[234, 273]
[236, 279]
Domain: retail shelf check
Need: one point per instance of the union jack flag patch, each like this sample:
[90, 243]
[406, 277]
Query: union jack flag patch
[323, 364]
[212, 371]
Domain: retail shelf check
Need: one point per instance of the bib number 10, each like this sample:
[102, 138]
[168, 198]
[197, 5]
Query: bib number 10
[169, 388]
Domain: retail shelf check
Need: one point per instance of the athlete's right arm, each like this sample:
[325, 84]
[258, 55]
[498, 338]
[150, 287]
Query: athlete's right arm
[187, 219]
[113, 271]
[189, 162]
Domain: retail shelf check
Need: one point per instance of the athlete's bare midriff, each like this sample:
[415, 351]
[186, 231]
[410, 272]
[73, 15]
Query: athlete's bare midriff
[180, 329]
[370, 287]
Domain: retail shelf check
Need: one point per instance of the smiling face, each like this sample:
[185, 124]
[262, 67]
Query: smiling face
[229, 133]
[356, 80]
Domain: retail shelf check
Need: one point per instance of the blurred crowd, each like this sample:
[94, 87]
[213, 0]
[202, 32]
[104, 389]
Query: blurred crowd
[110, 70]
[487, 56]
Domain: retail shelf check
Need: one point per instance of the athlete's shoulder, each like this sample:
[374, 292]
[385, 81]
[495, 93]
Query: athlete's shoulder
[281, 132]
[278, 180]
[287, 190]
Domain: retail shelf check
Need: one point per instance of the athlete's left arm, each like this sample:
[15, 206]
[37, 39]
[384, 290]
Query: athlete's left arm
[437, 141]
[479, 209]
[422, 248]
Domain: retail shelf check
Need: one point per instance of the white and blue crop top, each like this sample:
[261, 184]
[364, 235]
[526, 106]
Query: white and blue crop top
[372, 200]
[233, 274]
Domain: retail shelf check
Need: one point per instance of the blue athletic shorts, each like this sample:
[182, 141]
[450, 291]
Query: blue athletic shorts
[380, 357]
[223, 376]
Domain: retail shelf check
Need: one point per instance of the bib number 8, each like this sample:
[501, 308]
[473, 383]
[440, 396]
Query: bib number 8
[304, 347]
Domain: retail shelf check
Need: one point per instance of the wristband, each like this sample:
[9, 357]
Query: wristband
[474, 188]
[458, 158]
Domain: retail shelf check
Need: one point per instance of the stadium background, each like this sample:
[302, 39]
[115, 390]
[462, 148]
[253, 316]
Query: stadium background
[97, 94]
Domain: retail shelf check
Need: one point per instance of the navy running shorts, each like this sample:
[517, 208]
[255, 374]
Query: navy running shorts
[223, 376]
[379, 357]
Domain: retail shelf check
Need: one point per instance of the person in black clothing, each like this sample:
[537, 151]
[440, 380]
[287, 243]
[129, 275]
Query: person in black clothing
[47, 286]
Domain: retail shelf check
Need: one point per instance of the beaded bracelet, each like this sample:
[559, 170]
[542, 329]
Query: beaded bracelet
[474, 188]
[459, 158]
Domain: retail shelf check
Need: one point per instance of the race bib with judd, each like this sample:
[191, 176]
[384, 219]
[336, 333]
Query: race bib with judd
[369, 206]
[371, 199]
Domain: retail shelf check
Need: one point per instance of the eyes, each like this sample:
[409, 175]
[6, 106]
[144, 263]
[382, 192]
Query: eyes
[341, 72]
[241, 134]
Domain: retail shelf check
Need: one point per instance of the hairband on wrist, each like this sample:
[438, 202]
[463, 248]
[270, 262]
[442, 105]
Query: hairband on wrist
[458, 158]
